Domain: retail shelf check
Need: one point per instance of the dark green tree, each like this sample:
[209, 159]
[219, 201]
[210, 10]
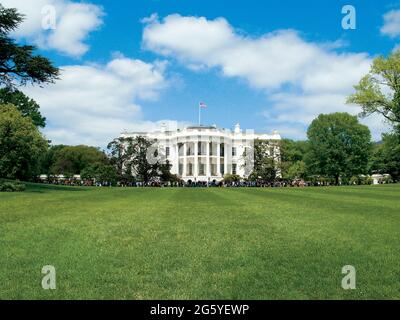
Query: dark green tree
[339, 146]
[386, 156]
[18, 63]
[100, 172]
[141, 151]
[165, 173]
[131, 158]
[27, 106]
[69, 160]
[292, 159]
[266, 161]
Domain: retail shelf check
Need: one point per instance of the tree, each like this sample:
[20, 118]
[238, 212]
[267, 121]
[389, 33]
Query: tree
[21, 145]
[69, 160]
[18, 63]
[103, 173]
[266, 161]
[28, 107]
[339, 146]
[297, 170]
[120, 151]
[130, 156]
[379, 90]
[139, 152]
[386, 156]
[165, 173]
[292, 159]
[230, 178]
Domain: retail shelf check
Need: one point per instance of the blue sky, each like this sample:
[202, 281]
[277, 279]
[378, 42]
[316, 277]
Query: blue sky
[266, 64]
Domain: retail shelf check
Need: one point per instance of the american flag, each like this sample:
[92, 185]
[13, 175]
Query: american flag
[202, 105]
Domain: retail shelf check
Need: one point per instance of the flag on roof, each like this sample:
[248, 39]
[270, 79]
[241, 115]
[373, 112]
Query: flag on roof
[202, 105]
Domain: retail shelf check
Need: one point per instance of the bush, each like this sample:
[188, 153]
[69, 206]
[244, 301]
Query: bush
[11, 186]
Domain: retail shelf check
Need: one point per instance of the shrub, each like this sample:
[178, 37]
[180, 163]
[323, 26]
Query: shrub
[11, 186]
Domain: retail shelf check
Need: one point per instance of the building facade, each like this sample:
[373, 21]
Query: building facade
[205, 153]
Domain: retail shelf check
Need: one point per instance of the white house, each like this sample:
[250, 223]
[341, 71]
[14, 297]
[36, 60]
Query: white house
[206, 153]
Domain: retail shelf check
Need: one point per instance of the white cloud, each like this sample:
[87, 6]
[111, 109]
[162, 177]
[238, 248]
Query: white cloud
[301, 78]
[391, 26]
[92, 104]
[74, 22]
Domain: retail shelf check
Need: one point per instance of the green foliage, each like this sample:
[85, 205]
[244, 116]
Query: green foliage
[28, 107]
[386, 156]
[165, 173]
[130, 157]
[229, 178]
[339, 146]
[100, 172]
[371, 95]
[266, 161]
[292, 159]
[21, 145]
[297, 170]
[69, 160]
[11, 186]
[18, 64]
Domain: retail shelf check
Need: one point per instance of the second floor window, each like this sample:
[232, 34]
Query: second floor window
[233, 151]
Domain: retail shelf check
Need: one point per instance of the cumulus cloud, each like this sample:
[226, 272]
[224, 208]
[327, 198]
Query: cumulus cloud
[301, 78]
[391, 25]
[91, 104]
[74, 22]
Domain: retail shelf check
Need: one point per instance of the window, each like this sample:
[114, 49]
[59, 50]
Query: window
[167, 152]
[222, 150]
[181, 169]
[202, 169]
[180, 149]
[222, 169]
[234, 165]
[233, 151]
[213, 168]
[189, 169]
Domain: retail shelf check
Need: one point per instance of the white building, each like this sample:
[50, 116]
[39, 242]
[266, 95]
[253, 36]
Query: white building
[206, 153]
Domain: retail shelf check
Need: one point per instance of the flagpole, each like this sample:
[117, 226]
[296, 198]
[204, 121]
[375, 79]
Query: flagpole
[199, 115]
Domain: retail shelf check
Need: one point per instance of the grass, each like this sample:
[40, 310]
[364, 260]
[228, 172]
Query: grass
[245, 243]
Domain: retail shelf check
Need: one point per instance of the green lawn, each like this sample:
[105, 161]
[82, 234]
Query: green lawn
[246, 243]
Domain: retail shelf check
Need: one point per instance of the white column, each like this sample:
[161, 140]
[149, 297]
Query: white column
[184, 159]
[208, 171]
[218, 159]
[196, 157]
[225, 158]
[176, 158]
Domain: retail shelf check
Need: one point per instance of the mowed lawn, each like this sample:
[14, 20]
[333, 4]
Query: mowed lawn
[244, 243]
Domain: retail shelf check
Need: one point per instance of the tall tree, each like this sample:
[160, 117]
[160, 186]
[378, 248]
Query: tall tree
[21, 145]
[27, 106]
[143, 168]
[266, 161]
[339, 146]
[130, 155]
[18, 63]
[292, 159]
[386, 156]
[379, 90]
